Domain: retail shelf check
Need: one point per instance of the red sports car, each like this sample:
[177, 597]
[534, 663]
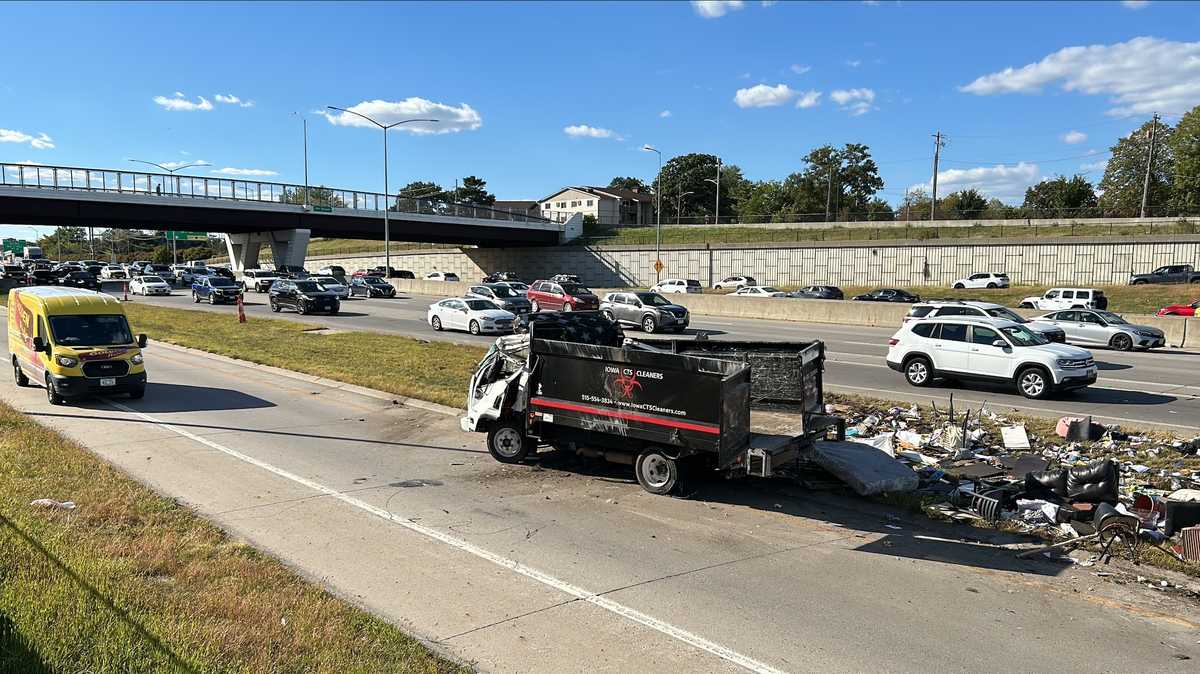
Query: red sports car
[1180, 309]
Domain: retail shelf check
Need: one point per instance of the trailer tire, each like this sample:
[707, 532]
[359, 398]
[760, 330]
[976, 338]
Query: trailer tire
[656, 472]
[507, 443]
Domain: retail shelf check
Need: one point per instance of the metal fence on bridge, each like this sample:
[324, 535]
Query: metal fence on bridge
[202, 187]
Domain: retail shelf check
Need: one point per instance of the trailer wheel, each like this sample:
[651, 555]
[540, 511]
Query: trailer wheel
[656, 472]
[507, 443]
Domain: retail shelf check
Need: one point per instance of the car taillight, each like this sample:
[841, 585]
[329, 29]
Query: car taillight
[893, 341]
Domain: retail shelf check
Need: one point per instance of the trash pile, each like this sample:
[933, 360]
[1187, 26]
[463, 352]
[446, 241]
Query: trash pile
[1081, 482]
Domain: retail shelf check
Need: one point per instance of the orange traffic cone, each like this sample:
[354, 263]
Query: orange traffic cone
[241, 310]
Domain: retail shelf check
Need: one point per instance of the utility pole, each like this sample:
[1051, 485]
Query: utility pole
[717, 213]
[907, 208]
[829, 195]
[1149, 163]
[938, 143]
[305, 120]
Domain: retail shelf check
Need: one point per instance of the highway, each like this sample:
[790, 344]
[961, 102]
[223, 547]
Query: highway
[567, 566]
[1142, 390]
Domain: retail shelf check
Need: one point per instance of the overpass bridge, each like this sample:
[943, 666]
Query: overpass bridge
[252, 213]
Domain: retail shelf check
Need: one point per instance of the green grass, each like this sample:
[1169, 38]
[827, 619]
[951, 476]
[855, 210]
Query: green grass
[132, 582]
[684, 234]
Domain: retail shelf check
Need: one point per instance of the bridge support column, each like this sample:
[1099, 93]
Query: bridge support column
[572, 228]
[287, 247]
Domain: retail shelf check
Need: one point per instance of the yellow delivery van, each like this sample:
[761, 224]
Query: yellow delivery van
[74, 342]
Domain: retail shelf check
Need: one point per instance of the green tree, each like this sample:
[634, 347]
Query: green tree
[915, 207]
[628, 183]
[1059, 197]
[197, 253]
[64, 242]
[849, 177]
[474, 191]
[697, 173]
[161, 255]
[1185, 145]
[1126, 171]
[422, 196]
[317, 196]
[965, 204]
[879, 210]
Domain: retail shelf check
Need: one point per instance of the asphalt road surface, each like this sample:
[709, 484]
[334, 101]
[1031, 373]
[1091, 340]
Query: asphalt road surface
[1159, 389]
[568, 566]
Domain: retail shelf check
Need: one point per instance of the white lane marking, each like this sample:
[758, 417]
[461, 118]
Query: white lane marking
[563, 586]
[1001, 403]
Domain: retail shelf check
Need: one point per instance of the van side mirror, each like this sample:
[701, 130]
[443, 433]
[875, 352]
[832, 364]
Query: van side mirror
[142, 340]
[1000, 343]
[40, 345]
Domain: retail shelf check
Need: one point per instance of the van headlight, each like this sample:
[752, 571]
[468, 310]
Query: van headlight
[137, 359]
[66, 361]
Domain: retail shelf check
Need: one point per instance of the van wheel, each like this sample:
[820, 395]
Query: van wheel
[656, 472]
[918, 371]
[19, 374]
[1121, 342]
[649, 325]
[51, 394]
[507, 443]
[1033, 383]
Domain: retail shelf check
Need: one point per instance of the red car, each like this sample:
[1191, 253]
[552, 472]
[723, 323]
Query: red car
[554, 296]
[367, 272]
[1180, 309]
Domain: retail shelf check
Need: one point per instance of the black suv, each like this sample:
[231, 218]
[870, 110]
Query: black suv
[305, 297]
[371, 286]
[79, 279]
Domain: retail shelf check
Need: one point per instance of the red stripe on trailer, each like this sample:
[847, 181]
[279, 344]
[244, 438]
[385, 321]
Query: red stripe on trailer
[628, 416]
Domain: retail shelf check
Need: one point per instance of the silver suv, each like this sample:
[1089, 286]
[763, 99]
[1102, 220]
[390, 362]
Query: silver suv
[649, 311]
[942, 308]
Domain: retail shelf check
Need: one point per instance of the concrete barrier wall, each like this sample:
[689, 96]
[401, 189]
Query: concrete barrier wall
[1067, 261]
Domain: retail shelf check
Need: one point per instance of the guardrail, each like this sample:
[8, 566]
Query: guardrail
[201, 187]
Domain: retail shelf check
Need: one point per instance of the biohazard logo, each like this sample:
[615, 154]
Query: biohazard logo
[626, 383]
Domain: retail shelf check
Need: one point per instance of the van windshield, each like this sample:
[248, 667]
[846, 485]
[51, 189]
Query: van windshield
[101, 330]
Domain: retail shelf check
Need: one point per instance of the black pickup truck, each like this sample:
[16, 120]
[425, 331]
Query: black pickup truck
[575, 384]
[1174, 273]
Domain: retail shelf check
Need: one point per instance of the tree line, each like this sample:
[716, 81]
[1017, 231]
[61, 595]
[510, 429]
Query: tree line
[839, 184]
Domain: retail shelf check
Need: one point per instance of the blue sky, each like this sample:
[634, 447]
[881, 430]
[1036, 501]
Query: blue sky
[541, 95]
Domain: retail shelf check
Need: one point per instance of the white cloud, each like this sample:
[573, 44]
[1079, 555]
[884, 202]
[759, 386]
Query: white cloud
[1135, 4]
[854, 101]
[1140, 76]
[30, 162]
[451, 119]
[233, 100]
[1074, 137]
[180, 103]
[585, 131]
[1005, 182]
[799, 69]
[244, 172]
[763, 96]
[712, 9]
[664, 114]
[1094, 166]
[853, 63]
[808, 99]
[38, 142]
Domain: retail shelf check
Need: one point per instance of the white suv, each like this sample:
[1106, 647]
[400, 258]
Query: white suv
[988, 350]
[734, 282]
[989, 310]
[677, 285]
[1067, 298]
[982, 281]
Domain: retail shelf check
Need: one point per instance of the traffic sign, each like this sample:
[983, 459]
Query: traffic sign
[187, 236]
[15, 246]
[323, 209]
[658, 266]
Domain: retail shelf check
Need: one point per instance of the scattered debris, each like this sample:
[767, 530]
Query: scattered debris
[866, 469]
[51, 503]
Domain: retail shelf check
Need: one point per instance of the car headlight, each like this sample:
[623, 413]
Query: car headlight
[137, 359]
[1070, 363]
[66, 361]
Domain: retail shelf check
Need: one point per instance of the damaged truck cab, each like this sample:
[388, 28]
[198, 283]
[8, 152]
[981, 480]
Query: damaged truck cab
[575, 384]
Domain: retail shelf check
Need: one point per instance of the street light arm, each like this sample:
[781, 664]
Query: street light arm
[406, 121]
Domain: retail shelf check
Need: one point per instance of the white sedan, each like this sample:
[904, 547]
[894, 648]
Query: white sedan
[759, 291]
[333, 285]
[474, 316]
[149, 285]
[982, 281]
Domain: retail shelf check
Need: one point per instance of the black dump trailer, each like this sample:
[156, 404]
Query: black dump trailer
[652, 404]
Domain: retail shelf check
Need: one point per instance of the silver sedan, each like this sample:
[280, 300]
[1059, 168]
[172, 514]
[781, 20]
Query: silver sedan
[1104, 328]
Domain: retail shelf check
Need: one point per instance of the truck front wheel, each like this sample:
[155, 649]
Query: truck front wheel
[656, 472]
[507, 443]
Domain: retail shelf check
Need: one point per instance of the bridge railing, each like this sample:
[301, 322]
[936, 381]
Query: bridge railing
[235, 189]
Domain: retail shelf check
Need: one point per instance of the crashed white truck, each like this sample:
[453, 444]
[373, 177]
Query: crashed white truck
[573, 383]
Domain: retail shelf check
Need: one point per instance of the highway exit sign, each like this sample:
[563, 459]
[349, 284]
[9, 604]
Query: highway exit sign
[323, 209]
[187, 236]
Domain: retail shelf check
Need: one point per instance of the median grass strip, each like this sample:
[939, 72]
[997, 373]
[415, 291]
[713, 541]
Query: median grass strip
[130, 581]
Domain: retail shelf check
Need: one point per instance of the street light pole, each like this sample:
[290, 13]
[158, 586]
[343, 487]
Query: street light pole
[679, 203]
[387, 235]
[657, 214]
[717, 183]
[174, 245]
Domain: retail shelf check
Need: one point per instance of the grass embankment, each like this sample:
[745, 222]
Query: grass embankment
[639, 236]
[132, 582]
